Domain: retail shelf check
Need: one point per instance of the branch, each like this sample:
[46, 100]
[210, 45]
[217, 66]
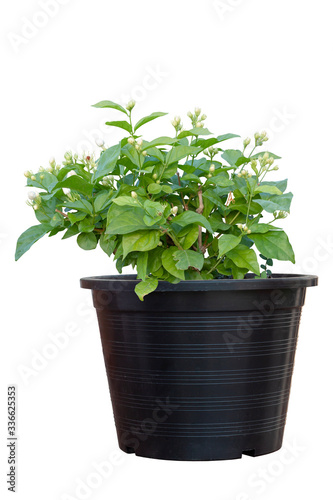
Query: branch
[199, 210]
[61, 213]
[181, 194]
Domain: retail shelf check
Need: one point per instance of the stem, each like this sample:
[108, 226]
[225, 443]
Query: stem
[216, 264]
[61, 213]
[199, 210]
[181, 194]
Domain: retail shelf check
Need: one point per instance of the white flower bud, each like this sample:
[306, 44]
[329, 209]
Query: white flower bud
[266, 156]
[99, 142]
[174, 210]
[42, 177]
[246, 142]
[134, 195]
[190, 115]
[32, 195]
[49, 169]
[131, 140]
[256, 135]
[68, 155]
[27, 173]
[154, 176]
[178, 119]
[263, 133]
[160, 244]
[35, 207]
[139, 142]
[130, 105]
[174, 123]
[249, 231]
[144, 153]
[276, 168]
[197, 111]
[209, 176]
[212, 168]
[158, 182]
[203, 117]
[52, 161]
[239, 226]
[200, 124]
[66, 191]
[33, 178]
[137, 147]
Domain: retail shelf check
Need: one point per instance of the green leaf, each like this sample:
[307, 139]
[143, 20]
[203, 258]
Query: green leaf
[102, 200]
[272, 155]
[110, 104]
[188, 258]
[145, 287]
[86, 225]
[125, 220]
[82, 205]
[166, 188]
[120, 124]
[232, 156]
[142, 265]
[245, 258]
[147, 119]
[274, 245]
[177, 153]
[155, 259]
[154, 188]
[71, 231]
[29, 237]
[87, 241]
[132, 154]
[160, 141]
[211, 195]
[76, 183]
[267, 188]
[188, 236]
[125, 201]
[194, 132]
[107, 162]
[141, 241]
[190, 217]
[282, 185]
[276, 202]
[263, 228]
[204, 144]
[169, 263]
[107, 243]
[221, 181]
[227, 242]
[76, 217]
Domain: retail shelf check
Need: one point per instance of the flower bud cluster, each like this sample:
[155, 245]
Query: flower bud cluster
[280, 214]
[260, 138]
[137, 144]
[197, 120]
[211, 152]
[107, 181]
[177, 123]
[244, 229]
[244, 174]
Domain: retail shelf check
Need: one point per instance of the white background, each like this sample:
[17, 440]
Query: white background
[250, 65]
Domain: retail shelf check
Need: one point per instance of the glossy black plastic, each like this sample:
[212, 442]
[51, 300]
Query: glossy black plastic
[200, 370]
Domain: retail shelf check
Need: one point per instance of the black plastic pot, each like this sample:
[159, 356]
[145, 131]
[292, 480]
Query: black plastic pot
[200, 370]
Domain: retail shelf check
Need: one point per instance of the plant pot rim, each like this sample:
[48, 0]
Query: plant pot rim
[127, 283]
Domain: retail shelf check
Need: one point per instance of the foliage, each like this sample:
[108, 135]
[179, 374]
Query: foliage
[175, 208]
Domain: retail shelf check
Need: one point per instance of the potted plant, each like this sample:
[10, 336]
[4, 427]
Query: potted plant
[200, 367]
